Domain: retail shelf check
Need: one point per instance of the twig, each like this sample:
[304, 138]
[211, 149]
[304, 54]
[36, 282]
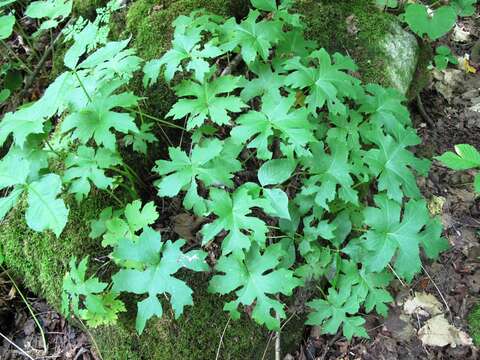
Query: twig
[30, 310]
[424, 114]
[278, 350]
[33, 75]
[438, 290]
[396, 275]
[232, 66]
[221, 338]
[16, 347]
[329, 344]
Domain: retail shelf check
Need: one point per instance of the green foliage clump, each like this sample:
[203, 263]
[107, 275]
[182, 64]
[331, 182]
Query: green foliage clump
[466, 157]
[474, 324]
[300, 171]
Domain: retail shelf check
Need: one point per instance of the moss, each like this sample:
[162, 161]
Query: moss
[474, 324]
[328, 23]
[87, 8]
[150, 21]
[40, 259]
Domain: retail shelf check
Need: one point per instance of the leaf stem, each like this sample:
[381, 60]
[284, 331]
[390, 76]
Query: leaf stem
[51, 148]
[151, 117]
[115, 197]
[82, 86]
[30, 310]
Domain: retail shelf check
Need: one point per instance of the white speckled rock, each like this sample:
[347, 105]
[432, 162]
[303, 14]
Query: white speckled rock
[401, 51]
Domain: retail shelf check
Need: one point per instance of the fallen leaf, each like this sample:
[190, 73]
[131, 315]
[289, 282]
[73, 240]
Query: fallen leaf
[435, 205]
[438, 332]
[460, 35]
[422, 304]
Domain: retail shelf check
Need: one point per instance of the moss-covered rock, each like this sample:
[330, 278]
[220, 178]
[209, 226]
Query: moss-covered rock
[40, 260]
[384, 52]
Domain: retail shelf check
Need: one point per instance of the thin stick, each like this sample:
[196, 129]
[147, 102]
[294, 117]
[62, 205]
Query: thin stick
[396, 275]
[16, 347]
[221, 338]
[278, 351]
[30, 310]
[16, 57]
[438, 290]
[95, 345]
[43, 59]
[235, 62]
[424, 113]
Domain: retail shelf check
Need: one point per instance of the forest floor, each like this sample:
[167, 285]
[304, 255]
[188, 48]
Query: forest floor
[449, 286]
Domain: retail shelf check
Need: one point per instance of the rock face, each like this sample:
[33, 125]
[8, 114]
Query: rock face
[401, 51]
[385, 54]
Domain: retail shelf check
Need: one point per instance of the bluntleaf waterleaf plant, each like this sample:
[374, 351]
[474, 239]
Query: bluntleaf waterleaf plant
[256, 279]
[88, 298]
[153, 264]
[297, 171]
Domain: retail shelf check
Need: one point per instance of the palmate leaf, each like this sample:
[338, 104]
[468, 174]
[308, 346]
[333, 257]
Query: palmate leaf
[140, 140]
[206, 104]
[96, 119]
[329, 171]
[368, 287]
[113, 60]
[255, 39]
[184, 47]
[154, 264]
[327, 82]
[389, 236]
[278, 117]
[88, 165]
[267, 82]
[232, 217]
[183, 171]
[45, 210]
[392, 163]
[256, 279]
[334, 312]
[384, 108]
[86, 297]
[31, 119]
[114, 227]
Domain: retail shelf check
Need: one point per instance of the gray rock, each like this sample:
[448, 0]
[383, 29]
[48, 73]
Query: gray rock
[401, 51]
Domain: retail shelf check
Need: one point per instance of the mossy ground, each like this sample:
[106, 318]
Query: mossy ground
[474, 324]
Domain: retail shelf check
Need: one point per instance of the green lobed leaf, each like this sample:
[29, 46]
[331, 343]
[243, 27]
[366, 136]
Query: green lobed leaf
[255, 279]
[158, 263]
[466, 157]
